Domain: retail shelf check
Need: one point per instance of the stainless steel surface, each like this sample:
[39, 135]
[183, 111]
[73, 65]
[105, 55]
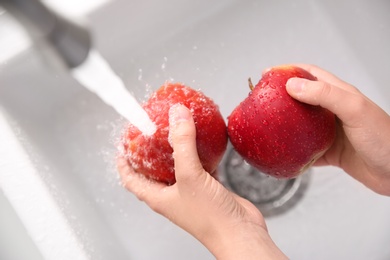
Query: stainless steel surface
[69, 135]
[272, 196]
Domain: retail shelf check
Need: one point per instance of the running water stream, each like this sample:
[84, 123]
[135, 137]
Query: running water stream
[97, 76]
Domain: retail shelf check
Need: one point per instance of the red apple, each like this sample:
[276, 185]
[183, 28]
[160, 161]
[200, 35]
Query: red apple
[152, 155]
[277, 134]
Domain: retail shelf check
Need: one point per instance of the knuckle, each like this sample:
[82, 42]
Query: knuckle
[181, 138]
[360, 104]
[153, 202]
[155, 206]
[325, 90]
[141, 195]
[184, 135]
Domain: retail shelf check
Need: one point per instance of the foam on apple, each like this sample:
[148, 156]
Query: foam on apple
[277, 134]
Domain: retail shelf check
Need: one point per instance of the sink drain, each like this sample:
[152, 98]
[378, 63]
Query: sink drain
[271, 196]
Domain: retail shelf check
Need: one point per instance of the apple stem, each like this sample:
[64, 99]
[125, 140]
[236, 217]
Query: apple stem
[250, 84]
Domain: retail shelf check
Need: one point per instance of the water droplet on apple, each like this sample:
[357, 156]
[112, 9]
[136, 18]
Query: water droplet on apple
[265, 122]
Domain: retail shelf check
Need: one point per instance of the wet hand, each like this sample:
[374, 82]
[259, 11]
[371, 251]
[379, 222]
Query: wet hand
[362, 145]
[228, 225]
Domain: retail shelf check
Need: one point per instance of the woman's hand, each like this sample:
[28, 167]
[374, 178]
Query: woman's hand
[362, 145]
[229, 226]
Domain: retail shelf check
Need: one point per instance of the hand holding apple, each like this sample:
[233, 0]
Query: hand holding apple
[362, 144]
[229, 226]
[277, 134]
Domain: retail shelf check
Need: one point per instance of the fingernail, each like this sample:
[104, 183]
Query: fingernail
[178, 113]
[295, 84]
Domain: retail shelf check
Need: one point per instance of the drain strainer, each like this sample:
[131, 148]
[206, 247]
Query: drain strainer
[272, 196]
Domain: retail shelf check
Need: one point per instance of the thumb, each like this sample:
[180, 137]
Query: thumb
[341, 102]
[182, 136]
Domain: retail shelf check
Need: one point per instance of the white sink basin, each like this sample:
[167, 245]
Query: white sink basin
[67, 135]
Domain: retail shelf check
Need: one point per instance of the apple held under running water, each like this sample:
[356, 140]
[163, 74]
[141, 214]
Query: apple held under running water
[276, 134]
[152, 155]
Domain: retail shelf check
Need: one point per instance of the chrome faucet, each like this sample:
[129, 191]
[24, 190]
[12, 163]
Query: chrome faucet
[70, 40]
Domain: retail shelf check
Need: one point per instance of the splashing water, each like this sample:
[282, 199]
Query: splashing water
[97, 76]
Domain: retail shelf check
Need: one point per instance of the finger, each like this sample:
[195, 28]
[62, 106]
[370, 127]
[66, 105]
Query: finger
[346, 105]
[321, 75]
[182, 134]
[143, 188]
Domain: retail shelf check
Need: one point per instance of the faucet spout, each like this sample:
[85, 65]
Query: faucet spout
[70, 40]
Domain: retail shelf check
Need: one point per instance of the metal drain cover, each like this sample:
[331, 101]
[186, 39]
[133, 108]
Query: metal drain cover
[272, 196]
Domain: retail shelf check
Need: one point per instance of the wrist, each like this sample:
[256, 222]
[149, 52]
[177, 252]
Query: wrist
[247, 241]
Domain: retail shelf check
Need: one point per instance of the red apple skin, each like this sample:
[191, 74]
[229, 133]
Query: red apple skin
[277, 134]
[152, 155]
